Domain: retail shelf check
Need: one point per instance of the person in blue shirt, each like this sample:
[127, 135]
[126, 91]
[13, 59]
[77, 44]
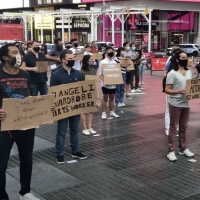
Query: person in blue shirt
[66, 74]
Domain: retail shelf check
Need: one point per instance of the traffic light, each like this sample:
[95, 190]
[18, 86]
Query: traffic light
[146, 11]
[128, 10]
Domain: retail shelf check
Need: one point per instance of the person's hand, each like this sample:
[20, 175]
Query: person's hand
[35, 69]
[2, 114]
[53, 107]
[182, 91]
[98, 103]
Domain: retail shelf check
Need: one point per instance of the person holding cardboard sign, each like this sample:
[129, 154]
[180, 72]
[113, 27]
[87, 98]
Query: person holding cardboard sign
[120, 88]
[15, 83]
[108, 90]
[38, 80]
[64, 75]
[87, 69]
[179, 107]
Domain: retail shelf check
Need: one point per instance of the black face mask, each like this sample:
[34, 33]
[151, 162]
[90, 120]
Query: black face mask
[68, 47]
[36, 49]
[70, 63]
[59, 47]
[111, 54]
[183, 63]
[75, 44]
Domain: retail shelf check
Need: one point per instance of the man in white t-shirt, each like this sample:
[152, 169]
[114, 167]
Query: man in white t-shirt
[108, 90]
[77, 64]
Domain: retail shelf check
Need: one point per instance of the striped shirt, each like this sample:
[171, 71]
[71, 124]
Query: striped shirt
[123, 69]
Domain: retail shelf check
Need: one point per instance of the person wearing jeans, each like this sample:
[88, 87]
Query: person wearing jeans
[179, 108]
[120, 89]
[141, 69]
[64, 75]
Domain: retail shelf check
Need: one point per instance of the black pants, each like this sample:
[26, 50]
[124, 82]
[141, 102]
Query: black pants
[136, 74]
[25, 143]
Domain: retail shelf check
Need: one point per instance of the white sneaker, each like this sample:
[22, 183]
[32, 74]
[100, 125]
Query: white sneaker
[187, 153]
[123, 104]
[119, 105]
[104, 116]
[166, 132]
[86, 132]
[171, 156]
[113, 114]
[142, 83]
[28, 196]
[92, 131]
[133, 91]
[138, 90]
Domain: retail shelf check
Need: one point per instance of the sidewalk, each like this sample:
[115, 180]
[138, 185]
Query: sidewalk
[126, 162]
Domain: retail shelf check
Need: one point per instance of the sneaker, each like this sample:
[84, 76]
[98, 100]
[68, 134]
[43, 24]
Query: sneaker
[171, 156]
[104, 116]
[113, 114]
[79, 155]
[60, 160]
[142, 83]
[138, 90]
[119, 105]
[123, 104]
[28, 196]
[86, 132]
[133, 90]
[187, 153]
[166, 132]
[92, 131]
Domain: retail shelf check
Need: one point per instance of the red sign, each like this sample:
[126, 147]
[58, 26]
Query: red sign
[11, 31]
[158, 64]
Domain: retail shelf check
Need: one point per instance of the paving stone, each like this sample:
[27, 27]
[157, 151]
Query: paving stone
[46, 178]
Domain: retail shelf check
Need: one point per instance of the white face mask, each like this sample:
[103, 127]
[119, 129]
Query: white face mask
[16, 61]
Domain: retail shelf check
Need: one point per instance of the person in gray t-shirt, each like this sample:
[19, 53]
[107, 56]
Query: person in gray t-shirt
[179, 107]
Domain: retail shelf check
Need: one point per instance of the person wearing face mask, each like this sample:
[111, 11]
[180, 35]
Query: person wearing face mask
[38, 80]
[108, 90]
[68, 45]
[64, 75]
[87, 69]
[17, 44]
[24, 139]
[77, 64]
[120, 89]
[54, 54]
[179, 107]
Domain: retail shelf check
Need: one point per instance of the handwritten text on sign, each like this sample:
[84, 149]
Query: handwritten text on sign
[74, 98]
[193, 89]
[112, 74]
[27, 113]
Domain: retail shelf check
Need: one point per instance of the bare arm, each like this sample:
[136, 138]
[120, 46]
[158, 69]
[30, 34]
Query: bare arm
[168, 90]
[52, 58]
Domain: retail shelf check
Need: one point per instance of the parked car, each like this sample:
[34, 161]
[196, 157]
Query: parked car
[190, 49]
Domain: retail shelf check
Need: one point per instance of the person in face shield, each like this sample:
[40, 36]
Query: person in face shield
[10, 77]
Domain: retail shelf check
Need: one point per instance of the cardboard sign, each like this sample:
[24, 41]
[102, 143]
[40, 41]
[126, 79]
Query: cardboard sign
[79, 57]
[74, 99]
[193, 89]
[27, 113]
[112, 74]
[158, 64]
[125, 62]
[92, 78]
[190, 62]
[97, 56]
[23, 66]
[43, 66]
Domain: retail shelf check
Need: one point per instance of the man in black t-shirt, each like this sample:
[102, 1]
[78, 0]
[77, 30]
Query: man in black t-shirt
[15, 83]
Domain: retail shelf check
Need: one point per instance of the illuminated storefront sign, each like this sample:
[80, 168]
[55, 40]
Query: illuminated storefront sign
[47, 21]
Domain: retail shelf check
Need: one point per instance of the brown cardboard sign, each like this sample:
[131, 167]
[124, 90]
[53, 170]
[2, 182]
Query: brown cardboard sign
[27, 113]
[92, 78]
[193, 89]
[43, 66]
[190, 62]
[125, 62]
[74, 99]
[97, 56]
[112, 74]
[23, 66]
[78, 57]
